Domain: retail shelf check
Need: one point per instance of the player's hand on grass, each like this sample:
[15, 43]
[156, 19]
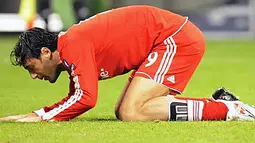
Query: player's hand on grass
[32, 117]
[14, 117]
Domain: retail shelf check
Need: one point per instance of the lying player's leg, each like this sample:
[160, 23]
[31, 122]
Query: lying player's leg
[168, 68]
[145, 103]
[147, 100]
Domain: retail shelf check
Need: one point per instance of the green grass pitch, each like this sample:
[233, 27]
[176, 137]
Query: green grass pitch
[226, 63]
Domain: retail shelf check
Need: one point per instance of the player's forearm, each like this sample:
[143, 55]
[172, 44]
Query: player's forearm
[68, 114]
[68, 108]
[61, 114]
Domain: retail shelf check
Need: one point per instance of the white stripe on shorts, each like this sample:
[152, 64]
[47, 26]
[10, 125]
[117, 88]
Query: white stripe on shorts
[166, 60]
[167, 57]
[170, 60]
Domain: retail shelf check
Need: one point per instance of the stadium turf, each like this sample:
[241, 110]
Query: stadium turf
[226, 63]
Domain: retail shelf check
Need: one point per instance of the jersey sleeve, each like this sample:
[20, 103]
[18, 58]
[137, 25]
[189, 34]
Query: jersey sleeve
[79, 58]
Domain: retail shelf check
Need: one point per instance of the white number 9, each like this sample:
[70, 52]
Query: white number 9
[152, 58]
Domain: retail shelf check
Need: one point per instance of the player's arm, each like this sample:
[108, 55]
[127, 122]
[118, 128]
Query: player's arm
[79, 58]
[83, 86]
[34, 116]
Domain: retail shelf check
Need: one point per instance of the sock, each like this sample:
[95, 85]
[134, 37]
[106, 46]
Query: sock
[215, 111]
[198, 109]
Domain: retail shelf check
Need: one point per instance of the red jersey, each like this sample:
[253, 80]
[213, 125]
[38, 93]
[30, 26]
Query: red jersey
[106, 45]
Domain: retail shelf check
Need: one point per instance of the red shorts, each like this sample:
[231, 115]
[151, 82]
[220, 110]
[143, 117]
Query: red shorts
[173, 62]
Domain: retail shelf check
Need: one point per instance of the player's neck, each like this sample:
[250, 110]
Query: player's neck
[61, 67]
[57, 60]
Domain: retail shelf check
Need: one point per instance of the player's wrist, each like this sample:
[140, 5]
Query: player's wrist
[39, 112]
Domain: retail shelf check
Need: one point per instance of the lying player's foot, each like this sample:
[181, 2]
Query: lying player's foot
[239, 111]
[223, 94]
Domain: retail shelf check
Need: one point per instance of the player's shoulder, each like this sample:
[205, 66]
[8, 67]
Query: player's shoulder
[70, 41]
[66, 40]
[72, 34]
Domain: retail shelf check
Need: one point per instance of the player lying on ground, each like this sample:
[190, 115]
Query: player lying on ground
[162, 48]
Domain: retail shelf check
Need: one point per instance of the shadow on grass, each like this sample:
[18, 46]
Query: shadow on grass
[100, 119]
[71, 121]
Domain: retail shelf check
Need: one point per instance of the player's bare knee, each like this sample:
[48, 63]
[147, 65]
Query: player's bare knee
[127, 113]
[128, 116]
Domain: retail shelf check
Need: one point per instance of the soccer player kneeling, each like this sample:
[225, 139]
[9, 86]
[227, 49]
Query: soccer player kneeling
[163, 48]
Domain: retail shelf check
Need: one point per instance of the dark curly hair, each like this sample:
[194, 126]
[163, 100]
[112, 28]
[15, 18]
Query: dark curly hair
[30, 44]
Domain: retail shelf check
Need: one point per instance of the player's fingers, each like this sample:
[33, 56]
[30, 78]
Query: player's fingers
[3, 119]
[16, 117]
[11, 118]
